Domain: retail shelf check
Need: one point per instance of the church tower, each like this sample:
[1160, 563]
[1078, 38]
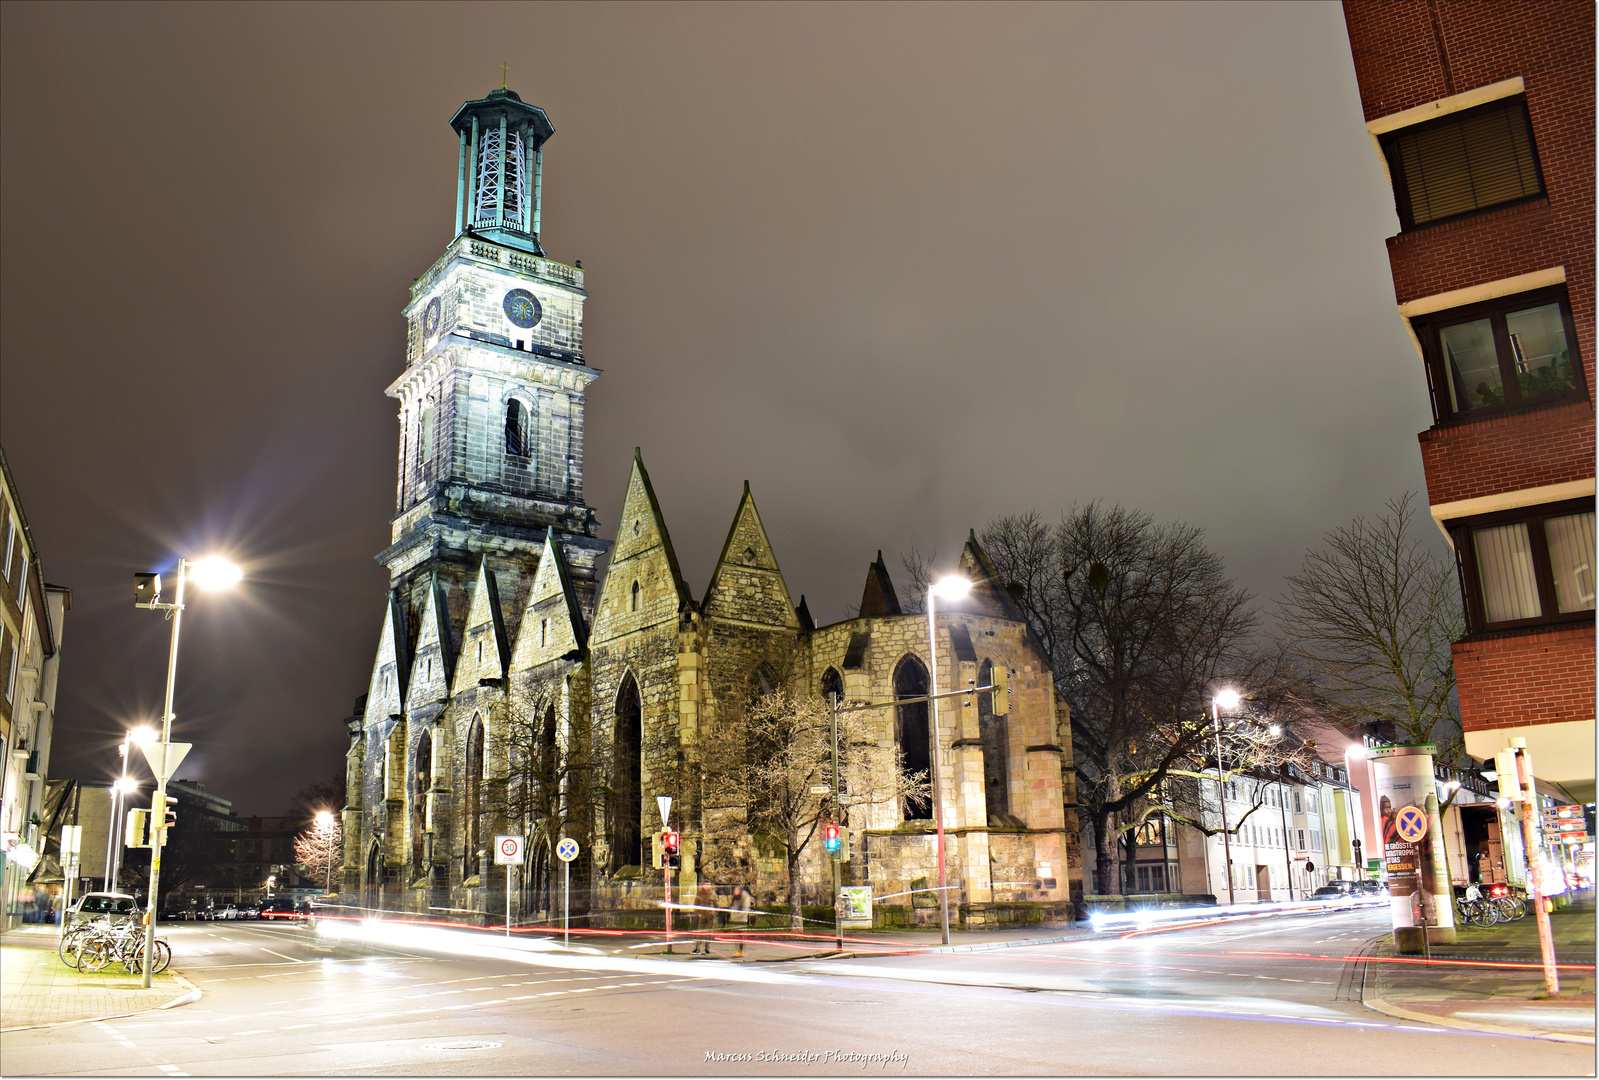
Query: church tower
[491, 401]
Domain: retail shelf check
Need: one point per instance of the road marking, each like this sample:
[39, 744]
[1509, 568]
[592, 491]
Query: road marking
[293, 1027]
[253, 1031]
[172, 1070]
[290, 959]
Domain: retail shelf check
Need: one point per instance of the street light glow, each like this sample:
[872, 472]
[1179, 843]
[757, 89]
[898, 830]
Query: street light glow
[127, 785]
[1355, 751]
[951, 588]
[1275, 729]
[324, 818]
[1228, 698]
[142, 735]
[215, 573]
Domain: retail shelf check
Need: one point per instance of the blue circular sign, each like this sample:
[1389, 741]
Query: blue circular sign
[567, 849]
[1411, 823]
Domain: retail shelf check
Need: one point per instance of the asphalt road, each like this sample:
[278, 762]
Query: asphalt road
[1264, 997]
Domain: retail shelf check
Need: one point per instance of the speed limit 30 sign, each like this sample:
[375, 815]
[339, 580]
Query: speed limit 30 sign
[508, 850]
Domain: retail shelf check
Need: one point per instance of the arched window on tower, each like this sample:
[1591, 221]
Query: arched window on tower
[994, 732]
[518, 442]
[832, 685]
[421, 783]
[634, 601]
[910, 681]
[425, 437]
[473, 833]
[626, 810]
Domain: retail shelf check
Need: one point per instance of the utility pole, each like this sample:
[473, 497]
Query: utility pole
[1529, 832]
[838, 914]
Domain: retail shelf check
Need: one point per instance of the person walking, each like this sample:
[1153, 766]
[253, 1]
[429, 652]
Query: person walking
[704, 919]
[740, 916]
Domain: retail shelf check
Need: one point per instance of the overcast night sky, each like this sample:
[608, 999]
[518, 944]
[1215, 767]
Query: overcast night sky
[903, 268]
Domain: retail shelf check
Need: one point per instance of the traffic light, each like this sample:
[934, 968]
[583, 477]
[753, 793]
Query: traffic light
[170, 823]
[671, 845]
[1000, 697]
[138, 828]
[655, 851]
[831, 839]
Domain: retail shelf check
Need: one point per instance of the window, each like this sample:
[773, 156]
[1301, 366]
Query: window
[425, 440]
[1500, 354]
[910, 681]
[1528, 566]
[634, 601]
[1298, 807]
[516, 430]
[832, 685]
[544, 632]
[1464, 162]
[994, 733]
[1315, 839]
[626, 813]
[1301, 839]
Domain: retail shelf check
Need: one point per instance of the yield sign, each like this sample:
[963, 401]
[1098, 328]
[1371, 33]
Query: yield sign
[665, 803]
[164, 758]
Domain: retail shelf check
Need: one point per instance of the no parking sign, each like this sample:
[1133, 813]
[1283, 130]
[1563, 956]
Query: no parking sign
[508, 850]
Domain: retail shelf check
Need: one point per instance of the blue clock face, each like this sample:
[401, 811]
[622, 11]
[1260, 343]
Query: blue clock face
[430, 318]
[523, 309]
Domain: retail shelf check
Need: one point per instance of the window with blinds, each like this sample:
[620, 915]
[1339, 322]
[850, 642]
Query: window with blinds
[1524, 567]
[1464, 162]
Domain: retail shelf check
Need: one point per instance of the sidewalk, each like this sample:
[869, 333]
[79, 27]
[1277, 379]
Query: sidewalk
[36, 988]
[1503, 1000]
[771, 945]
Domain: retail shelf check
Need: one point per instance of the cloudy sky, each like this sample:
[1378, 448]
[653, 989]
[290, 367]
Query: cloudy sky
[902, 268]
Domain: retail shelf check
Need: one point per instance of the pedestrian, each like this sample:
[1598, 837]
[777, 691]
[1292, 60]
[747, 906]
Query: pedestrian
[740, 916]
[704, 919]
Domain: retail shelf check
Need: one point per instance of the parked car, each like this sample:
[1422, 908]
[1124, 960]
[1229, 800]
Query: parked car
[249, 911]
[1330, 891]
[1371, 888]
[227, 911]
[281, 909]
[116, 907]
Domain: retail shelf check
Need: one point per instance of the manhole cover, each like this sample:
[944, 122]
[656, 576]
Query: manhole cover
[462, 1044]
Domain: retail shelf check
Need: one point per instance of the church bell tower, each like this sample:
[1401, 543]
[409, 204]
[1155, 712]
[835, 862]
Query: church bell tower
[491, 402]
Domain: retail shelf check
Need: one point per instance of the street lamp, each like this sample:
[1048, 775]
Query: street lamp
[1225, 698]
[209, 573]
[119, 792]
[950, 588]
[324, 821]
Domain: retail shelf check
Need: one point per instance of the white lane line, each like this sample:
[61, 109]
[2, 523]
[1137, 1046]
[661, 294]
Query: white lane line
[274, 952]
[253, 1031]
[293, 1027]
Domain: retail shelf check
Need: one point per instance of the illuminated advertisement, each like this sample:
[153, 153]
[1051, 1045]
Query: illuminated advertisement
[1412, 837]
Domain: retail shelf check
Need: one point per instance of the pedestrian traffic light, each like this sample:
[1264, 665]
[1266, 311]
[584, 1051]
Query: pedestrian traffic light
[999, 698]
[671, 844]
[831, 838]
[169, 823]
[138, 828]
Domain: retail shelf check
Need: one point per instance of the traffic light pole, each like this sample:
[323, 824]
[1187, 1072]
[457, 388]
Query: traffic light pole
[158, 803]
[838, 913]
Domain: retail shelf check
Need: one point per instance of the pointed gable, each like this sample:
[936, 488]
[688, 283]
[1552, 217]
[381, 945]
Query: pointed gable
[989, 595]
[552, 625]
[390, 673]
[431, 670]
[878, 598]
[484, 650]
[803, 614]
[747, 585]
[643, 586]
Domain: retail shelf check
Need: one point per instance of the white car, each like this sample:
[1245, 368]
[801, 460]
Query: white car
[113, 907]
[227, 911]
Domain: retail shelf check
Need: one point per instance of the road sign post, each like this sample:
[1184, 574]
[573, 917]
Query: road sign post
[508, 852]
[566, 851]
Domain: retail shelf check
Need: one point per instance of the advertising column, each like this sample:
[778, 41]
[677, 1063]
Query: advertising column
[1420, 898]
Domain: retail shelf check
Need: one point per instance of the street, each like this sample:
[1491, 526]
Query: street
[1269, 996]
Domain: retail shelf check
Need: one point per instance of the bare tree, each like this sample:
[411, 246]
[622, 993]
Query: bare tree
[1371, 617]
[1140, 620]
[919, 569]
[316, 798]
[775, 759]
[320, 850]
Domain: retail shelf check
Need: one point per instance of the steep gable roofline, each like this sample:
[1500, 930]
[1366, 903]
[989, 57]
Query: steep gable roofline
[683, 597]
[746, 503]
[397, 627]
[989, 582]
[803, 614]
[441, 619]
[574, 611]
[878, 598]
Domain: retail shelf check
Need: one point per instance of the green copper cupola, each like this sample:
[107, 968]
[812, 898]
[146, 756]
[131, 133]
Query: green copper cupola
[499, 182]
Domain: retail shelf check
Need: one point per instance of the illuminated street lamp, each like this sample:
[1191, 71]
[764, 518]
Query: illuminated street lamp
[210, 573]
[950, 588]
[1226, 698]
[124, 786]
[324, 821]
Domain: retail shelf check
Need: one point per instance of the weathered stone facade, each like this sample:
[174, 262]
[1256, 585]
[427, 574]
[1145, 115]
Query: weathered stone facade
[495, 615]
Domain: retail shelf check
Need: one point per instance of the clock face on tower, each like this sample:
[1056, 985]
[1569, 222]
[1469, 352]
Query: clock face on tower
[430, 318]
[522, 308]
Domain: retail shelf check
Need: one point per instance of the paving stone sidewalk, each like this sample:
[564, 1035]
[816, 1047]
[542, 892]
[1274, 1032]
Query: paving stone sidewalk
[1475, 995]
[36, 988]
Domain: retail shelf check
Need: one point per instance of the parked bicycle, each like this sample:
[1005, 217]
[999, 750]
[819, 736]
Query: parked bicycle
[1475, 909]
[94, 945]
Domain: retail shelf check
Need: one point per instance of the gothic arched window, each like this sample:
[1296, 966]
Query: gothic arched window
[425, 438]
[994, 732]
[832, 685]
[421, 781]
[910, 681]
[627, 805]
[633, 602]
[517, 440]
[474, 795]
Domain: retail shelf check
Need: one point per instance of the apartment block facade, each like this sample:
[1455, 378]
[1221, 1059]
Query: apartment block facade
[1483, 117]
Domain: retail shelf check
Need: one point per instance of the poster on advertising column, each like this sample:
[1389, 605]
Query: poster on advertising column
[1412, 838]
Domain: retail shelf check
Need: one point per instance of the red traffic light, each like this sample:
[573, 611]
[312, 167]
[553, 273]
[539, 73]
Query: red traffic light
[670, 842]
[830, 836]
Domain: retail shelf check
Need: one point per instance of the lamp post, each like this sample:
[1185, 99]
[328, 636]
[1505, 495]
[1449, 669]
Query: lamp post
[950, 588]
[119, 797]
[212, 573]
[324, 821]
[1230, 699]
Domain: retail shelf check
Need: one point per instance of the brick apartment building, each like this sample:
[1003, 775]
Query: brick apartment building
[1483, 116]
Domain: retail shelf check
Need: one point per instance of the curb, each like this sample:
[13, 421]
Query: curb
[1377, 1004]
[189, 997]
